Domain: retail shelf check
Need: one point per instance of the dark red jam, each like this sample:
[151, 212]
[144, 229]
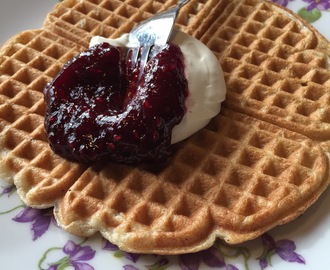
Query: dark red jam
[96, 107]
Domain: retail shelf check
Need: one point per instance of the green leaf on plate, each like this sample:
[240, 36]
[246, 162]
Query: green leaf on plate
[310, 16]
[118, 254]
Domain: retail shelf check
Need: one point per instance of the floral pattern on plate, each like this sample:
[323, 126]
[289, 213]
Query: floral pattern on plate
[311, 11]
[57, 250]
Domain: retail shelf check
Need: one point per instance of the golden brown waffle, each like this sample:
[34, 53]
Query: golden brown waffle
[258, 164]
[276, 66]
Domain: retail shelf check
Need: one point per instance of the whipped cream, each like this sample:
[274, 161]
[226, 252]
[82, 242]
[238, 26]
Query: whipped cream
[206, 85]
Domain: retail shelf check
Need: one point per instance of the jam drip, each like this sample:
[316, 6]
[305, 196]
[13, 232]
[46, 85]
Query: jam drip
[97, 108]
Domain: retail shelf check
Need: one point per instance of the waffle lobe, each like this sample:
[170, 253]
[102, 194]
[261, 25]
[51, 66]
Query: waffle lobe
[260, 163]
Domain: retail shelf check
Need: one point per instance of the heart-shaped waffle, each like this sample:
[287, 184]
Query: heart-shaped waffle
[260, 163]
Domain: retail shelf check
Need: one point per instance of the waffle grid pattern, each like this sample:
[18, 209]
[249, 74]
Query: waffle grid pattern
[270, 70]
[29, 64]
[235, 179]
[111, 18]
[244, 169]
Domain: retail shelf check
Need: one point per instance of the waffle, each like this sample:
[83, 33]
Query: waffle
[258, 164]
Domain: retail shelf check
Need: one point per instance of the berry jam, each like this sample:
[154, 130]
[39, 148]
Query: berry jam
[97, 107]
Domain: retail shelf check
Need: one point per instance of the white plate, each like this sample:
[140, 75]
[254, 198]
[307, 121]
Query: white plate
[307, 238]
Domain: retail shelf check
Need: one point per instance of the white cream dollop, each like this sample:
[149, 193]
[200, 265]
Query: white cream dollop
[207, 88]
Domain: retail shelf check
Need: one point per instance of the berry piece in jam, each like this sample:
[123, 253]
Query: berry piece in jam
[96, 107]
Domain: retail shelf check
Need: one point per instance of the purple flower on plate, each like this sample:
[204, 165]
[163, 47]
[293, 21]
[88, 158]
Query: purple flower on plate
[106, 245]
[77, 256]
[231, 267]
[317, 4]
[130, 267]
[39, 218]
[161, 264]
[8, 190]
[283, 3]
[212, 257]
[283, 248]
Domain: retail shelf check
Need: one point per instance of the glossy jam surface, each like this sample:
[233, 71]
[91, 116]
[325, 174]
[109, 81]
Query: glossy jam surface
[97, 107]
